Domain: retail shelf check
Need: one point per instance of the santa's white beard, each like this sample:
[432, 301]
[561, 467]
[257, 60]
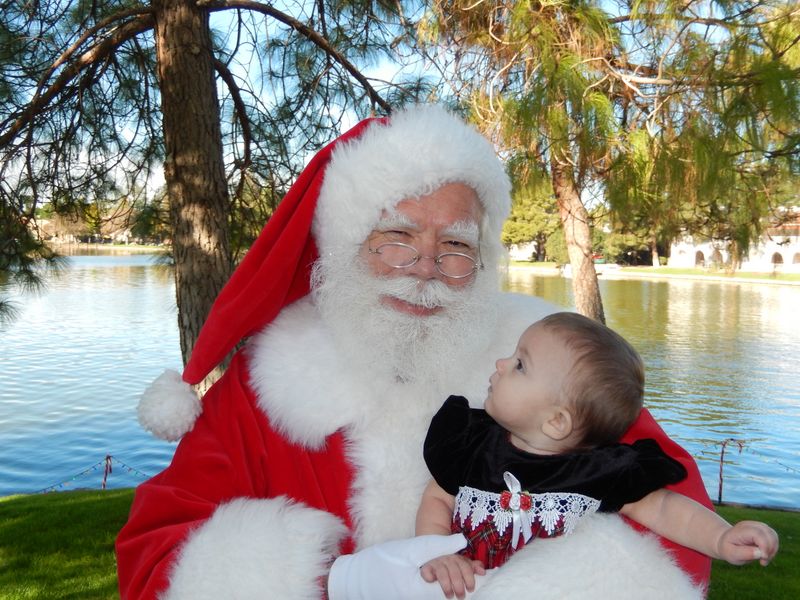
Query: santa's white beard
[404, 347]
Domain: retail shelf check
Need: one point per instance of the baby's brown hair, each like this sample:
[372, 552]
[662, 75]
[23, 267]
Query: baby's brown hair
[604, 390]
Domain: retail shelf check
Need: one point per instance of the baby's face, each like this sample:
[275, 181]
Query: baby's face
[528, 384]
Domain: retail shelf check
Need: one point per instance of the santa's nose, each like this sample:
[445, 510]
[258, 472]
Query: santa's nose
[425, 267]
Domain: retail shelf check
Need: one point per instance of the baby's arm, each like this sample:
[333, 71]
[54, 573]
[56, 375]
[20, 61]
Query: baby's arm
[691, 524]
[454, 572]
[435, 511]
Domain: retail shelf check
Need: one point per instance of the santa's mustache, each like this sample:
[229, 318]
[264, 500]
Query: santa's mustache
[427, 294]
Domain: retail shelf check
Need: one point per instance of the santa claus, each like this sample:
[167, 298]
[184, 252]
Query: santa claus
[371, 295]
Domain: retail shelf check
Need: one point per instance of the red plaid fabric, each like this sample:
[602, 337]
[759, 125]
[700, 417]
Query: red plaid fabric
[485, 544]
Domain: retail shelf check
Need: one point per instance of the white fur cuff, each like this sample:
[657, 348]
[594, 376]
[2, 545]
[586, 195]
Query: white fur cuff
[257, 549]
[602, 558]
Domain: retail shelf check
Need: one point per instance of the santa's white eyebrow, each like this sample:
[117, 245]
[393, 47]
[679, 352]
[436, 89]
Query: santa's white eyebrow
[395, 220]
[465, 231]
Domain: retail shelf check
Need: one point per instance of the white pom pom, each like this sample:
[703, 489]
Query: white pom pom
[169, 407]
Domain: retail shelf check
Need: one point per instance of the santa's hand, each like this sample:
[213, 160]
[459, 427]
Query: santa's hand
[390, 571]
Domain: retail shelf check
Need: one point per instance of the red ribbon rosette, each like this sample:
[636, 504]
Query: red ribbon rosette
[515, 501]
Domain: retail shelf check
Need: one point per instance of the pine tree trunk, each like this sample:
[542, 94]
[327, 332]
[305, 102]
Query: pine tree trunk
[193, 167]
[655, 259]
[575, 220]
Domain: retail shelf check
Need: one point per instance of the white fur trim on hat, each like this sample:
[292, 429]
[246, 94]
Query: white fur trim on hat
[169, 407]
[421, 149]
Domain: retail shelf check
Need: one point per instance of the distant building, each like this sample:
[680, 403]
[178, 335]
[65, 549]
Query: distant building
[777, 250]
[522, 252]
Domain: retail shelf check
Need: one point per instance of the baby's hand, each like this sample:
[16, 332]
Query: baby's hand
[748, 540]
[454, 572]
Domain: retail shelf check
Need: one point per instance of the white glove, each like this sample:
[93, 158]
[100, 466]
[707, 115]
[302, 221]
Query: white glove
[390, 571]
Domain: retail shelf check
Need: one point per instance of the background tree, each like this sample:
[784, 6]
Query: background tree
[227, 96]
[23, 260]
[658, 104]
[533, 216]
[150, 222]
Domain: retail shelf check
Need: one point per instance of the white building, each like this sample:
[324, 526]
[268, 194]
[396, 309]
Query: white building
[522, 252]
[777, 250]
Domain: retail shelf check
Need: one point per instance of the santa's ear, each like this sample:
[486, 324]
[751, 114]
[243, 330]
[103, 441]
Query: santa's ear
[559, 426]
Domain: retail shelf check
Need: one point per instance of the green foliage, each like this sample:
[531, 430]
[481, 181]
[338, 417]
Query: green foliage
[253, 205]
[556, 248]
[24, 259]
[533, 213]
[687, 116]
[617, 247]
[150, 222]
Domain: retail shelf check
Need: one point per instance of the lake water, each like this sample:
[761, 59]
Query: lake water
[71, 369]
[722, 363]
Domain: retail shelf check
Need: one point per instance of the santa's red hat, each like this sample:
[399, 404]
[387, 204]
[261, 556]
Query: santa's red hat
[331, 208]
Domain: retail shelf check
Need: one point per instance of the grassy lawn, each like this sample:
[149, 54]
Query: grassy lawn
[528, 263]
[713, 273]
[777, 581]
[673, 272]
[61, 545]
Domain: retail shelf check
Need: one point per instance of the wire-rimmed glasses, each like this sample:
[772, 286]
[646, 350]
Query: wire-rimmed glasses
[454, 265]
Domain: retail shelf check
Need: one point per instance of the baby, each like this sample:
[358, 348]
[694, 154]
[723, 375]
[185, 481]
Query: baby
[544, 453]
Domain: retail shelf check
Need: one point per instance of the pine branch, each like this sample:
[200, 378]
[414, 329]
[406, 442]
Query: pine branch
[73, 70]
[312, 35]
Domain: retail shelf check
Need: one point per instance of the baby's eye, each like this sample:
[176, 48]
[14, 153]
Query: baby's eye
[518, 365]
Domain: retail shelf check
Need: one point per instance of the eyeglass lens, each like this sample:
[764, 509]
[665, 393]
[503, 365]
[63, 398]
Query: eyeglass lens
[448, 264]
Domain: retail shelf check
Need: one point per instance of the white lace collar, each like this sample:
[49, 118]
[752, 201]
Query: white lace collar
[521, 509]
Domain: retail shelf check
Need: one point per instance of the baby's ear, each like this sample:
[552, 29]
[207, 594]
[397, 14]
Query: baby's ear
[559, 426]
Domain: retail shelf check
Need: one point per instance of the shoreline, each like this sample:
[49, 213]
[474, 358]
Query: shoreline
[632, 273]
[22, 495]
[71, 248]
[754, 506]
[551, 270]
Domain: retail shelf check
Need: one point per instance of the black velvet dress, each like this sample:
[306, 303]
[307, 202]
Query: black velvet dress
[505, 496]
